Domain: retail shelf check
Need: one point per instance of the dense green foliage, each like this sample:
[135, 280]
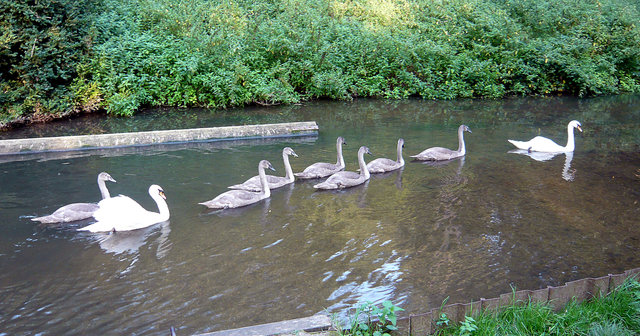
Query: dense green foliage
[237, 52]
[41, 44]
[618, 313]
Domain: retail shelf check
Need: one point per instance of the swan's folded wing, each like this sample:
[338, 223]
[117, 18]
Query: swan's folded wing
[118, 208]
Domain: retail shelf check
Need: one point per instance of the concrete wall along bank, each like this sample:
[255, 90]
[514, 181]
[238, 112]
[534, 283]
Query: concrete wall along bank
[30, 145]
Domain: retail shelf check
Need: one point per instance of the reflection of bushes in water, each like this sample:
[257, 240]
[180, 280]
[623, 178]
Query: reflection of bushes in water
[219, 54]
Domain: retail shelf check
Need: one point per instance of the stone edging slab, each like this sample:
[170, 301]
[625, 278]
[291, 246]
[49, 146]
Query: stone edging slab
[30, 145]
[307, 324]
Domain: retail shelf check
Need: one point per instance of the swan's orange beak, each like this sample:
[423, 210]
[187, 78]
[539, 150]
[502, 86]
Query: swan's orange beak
[161, 192]
[579, 128]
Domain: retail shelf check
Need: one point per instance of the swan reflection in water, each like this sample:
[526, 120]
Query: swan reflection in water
[130, 241]
[568, 174]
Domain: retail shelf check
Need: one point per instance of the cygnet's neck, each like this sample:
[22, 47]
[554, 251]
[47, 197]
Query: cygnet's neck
[400, 159]
[340, 162]
[364, 171]
[287, 168]
[103, 188]
[266, 192]
[461, 148]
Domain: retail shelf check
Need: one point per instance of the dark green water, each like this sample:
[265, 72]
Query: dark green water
[464, 230]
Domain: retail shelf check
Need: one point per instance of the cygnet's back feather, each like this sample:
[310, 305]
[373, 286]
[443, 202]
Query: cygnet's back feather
[240, 198]
[77, 211]
[345, 179]
[253, 184]
[382, 165]
[324, 169]
[441, 153]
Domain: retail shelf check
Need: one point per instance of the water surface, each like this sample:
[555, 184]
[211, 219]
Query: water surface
[466, 229]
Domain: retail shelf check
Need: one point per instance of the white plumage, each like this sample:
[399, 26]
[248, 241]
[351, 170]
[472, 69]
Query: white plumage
[122, 213]
[542, 144]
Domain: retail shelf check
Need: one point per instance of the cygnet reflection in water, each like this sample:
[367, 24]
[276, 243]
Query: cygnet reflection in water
[386, 175]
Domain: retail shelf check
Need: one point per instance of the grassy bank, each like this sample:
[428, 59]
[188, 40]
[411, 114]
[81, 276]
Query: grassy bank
[617, 313]
[119, 56]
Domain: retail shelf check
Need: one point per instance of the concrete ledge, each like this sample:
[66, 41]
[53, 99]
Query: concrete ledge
[306, 324]
[14, 146]
[205, 145]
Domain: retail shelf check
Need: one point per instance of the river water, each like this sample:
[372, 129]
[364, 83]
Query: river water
[466, 229]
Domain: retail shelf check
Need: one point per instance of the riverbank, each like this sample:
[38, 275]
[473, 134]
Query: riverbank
[120, 56]
[611, 301]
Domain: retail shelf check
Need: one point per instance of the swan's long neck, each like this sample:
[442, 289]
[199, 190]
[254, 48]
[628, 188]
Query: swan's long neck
[163, 208]
[340, 158]
[266, 192]
[103, 189]
[287, 168]
[364, 171]
[571, 142]
[461, 148]
[400, 159]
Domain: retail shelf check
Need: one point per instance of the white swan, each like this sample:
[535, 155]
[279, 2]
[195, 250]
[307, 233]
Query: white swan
[324, 169]
[253, 184]
[121, 213]
[440, 153]
[239, 198]
[77, 211]
[542, 144]
[345, 179]
[382, 165]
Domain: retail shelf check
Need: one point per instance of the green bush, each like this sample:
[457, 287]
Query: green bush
[239, 52]
[41, 43]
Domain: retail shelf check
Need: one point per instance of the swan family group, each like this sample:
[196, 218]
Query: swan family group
[122, 213]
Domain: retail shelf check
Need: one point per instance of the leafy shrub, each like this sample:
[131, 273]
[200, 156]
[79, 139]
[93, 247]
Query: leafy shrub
[371, 320]
[41, 43]
[239, 52]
